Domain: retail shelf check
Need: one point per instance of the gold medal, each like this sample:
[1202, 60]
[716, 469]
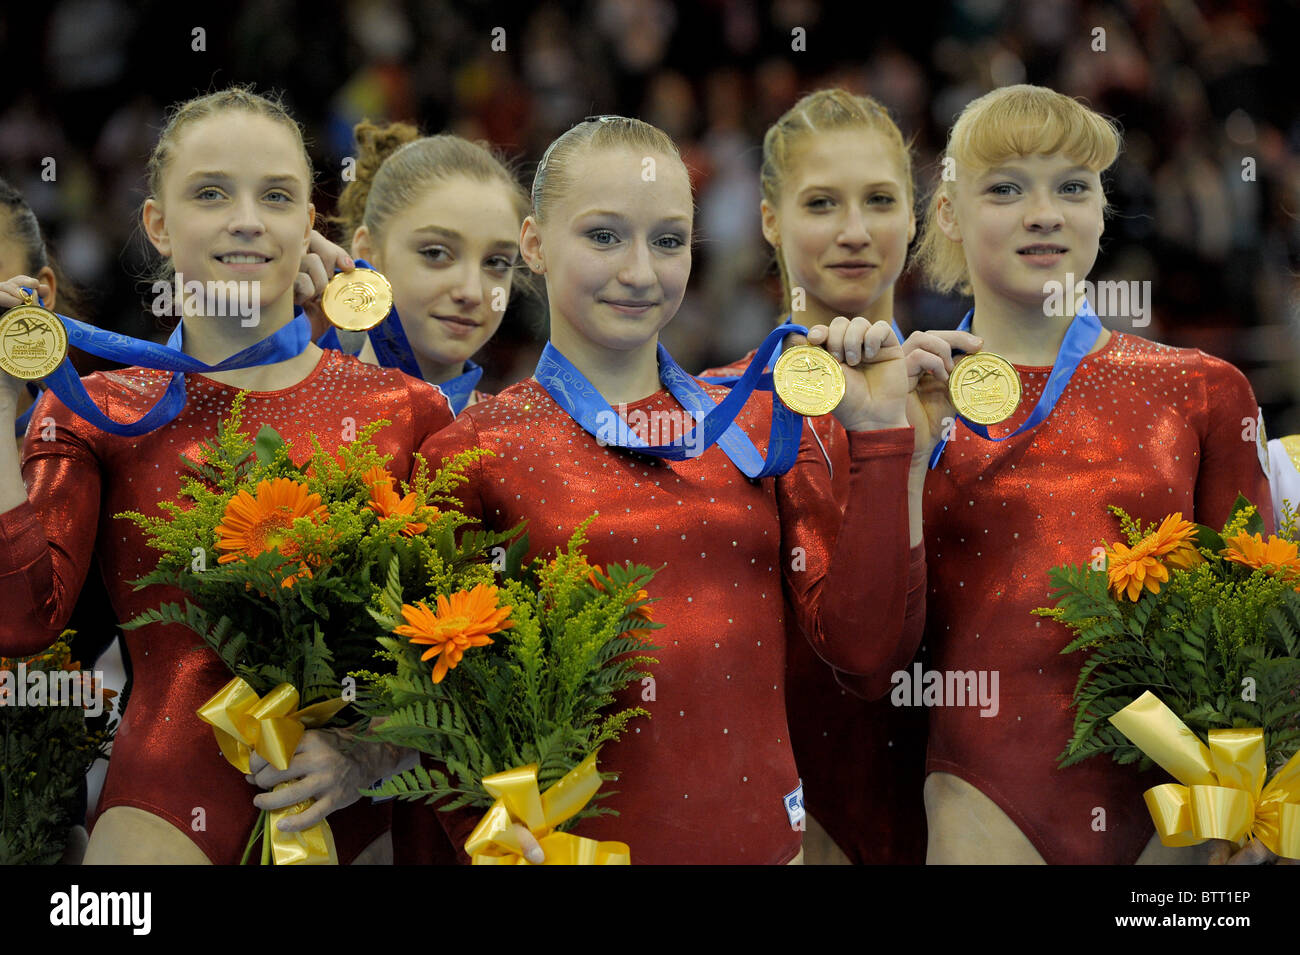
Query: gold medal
[809, 380]
[358, 300]
[33, 342]
[985, 388]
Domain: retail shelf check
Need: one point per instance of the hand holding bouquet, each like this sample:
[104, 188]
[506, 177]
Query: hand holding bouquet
[278, 562]
[1193, 639]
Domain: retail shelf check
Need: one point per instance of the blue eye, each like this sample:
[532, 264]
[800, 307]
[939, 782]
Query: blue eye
[280, 195]
[671, 242]
[209, 192]
[1004, 189]
[599, 236]
[1075, 188]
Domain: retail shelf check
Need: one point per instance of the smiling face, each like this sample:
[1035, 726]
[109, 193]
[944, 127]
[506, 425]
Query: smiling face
[234, 204]
[1026, 222]
[615, 250]
[447, 255]
[843, 222]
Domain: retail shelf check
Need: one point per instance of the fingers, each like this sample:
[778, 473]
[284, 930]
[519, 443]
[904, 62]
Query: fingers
[920, 362]
[304, 290]
[1220, 852]
[835, 337]
[11, 293]
[332, 256]
[282, 797]
[532, 851]
[961, 341]
[852, 341]
[314, 267]
[313, 814]
[1255, 853]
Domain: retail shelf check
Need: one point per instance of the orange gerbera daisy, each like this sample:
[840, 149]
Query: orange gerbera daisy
[1175, 542]
[386, 502]
[1276, 556]
[462, 620]
[377, 475]
[254, 524]
[1128, 570]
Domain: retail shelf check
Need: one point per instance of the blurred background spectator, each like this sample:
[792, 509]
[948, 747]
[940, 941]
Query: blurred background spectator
[1206, 194]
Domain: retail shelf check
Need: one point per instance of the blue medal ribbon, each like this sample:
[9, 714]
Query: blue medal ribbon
[1079, 338]
[715, 423]
[765, 382]
[287, 342]
[458, 390]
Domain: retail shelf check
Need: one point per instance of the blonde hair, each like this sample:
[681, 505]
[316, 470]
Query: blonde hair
[553, 178]
[1012, 121]
[395, 165]
[818, 112]
[191, 111]
[185, 114]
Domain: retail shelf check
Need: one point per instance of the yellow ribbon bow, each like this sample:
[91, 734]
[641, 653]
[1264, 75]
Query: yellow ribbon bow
[271, 726]
[1222, 795]
[493, 841]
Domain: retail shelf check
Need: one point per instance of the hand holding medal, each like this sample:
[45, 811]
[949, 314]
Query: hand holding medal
[33, 342]
[930, 360]
[870, 360]
[985, 388]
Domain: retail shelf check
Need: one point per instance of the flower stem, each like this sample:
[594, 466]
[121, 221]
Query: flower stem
[257, 831]
[266, 840]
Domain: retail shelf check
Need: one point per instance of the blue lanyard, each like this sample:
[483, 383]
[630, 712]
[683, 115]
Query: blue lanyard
[765, 382]
[287, 342]
[1079, 337]
[457, 390]
[715, 423]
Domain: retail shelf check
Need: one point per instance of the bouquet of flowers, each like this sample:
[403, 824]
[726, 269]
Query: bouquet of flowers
[279, 563]
[507, 687]
[55, 721]
[1194, 634]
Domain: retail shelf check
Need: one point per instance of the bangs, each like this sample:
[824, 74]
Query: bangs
[1023, 121]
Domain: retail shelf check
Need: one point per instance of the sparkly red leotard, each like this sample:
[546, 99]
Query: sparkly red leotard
[1151, 428]
[703, 780]
[862, 762]
[165, 759]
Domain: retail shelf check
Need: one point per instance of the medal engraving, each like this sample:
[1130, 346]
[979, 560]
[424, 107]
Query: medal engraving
[358, 300]
[809, 380]
[33, 342]
[985, 388]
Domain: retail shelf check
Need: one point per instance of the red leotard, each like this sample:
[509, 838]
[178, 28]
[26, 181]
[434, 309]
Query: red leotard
[703, 780]
[862, 762]
[1151, 428]
[165, 759]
